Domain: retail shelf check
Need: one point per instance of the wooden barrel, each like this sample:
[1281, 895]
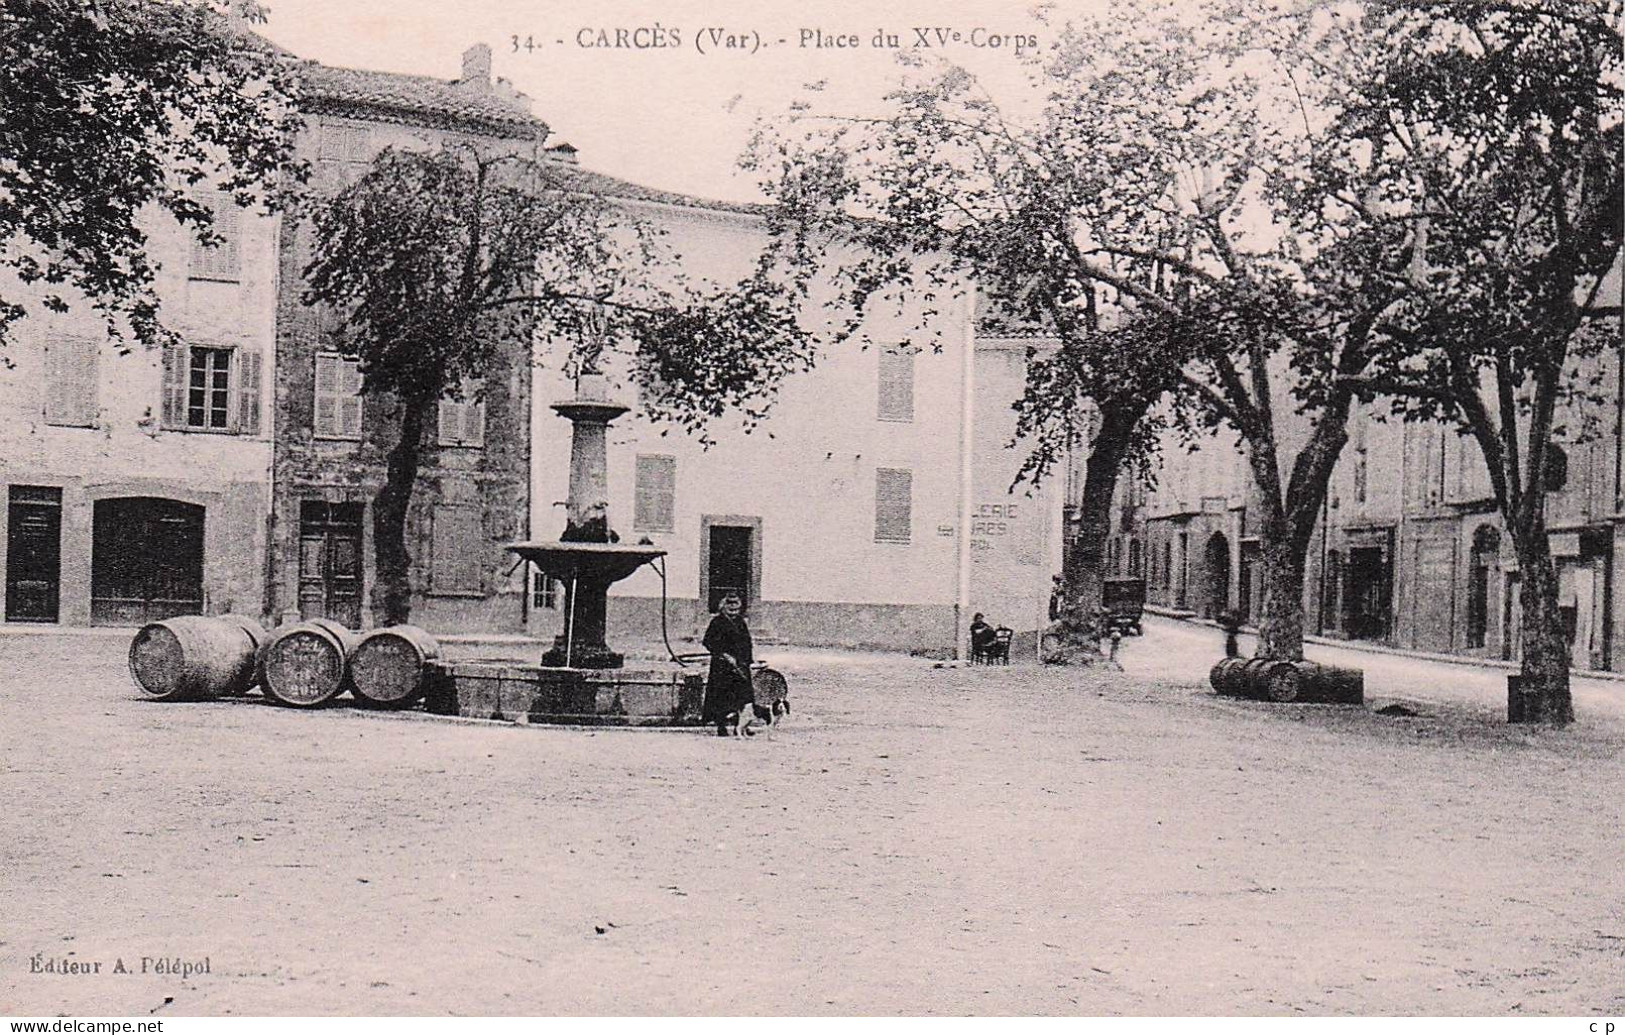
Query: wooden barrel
[1281, 682]
[1331, 684]
[193, 658]
[256, 632]
[1226, 676]
[305, 665]
[1269, 679]
[388, 666]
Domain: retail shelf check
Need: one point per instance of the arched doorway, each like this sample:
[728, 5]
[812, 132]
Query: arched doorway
[1216, 599]
[146, 560]
[1484, 561]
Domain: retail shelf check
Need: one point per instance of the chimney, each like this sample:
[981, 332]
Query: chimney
[477, 66]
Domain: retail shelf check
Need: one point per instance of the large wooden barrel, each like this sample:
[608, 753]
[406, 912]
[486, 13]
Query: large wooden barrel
[305, 665]
[1331, 684]
[1270, 679]
[388, 667]
[1226, 676]
[193, 658]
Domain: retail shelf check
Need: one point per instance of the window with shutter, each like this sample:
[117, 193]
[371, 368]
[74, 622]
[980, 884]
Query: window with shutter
[462, 422]
[458, 546]
[224, 260]
[894, 505]
[897, 384]
[655, 494]
[71, 366]
[338, 404]
[345, 152]
[203, 401]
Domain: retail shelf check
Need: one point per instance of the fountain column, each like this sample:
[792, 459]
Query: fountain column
[581, 644]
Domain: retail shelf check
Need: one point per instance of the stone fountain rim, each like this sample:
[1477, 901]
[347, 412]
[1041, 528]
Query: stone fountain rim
[607, 549]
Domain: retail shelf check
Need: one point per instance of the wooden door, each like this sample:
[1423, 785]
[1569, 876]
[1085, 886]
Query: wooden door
[729, 564]
[33, 554]
[330, 576]
[146, 560]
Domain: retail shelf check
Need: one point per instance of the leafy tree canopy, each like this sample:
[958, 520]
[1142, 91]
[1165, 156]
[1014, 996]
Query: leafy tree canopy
[434, 259]
[110, 107]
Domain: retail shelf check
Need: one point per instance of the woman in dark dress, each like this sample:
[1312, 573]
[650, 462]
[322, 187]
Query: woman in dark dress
[728, 690]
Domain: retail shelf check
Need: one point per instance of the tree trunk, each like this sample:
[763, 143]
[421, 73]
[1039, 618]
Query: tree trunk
[1544, 675]
[392, 591]
[1289, 526]
[1074, 638]
[1280, 623]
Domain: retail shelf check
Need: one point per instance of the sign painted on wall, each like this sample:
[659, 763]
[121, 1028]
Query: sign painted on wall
[993, 519]
[994, 524]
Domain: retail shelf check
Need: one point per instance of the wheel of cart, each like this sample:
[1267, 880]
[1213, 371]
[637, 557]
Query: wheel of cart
[768, 685]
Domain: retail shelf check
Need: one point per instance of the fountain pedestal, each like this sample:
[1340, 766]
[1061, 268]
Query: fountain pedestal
[586, 558]
[587, 571]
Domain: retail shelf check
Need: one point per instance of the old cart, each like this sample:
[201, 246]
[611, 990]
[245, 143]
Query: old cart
[1124, 603]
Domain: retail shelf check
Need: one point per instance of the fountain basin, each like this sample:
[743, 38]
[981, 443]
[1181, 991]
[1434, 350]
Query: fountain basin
[652, 694]
[610, 562]
[587, 569]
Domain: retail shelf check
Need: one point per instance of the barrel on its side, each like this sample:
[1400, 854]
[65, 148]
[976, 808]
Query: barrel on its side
[1267, 679]
[191, 657]
[1226, 676]
[389, 666]
[1331, 684]
[305, 665]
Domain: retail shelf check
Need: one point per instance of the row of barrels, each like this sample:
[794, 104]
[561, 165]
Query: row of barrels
[1272, 679]
[306, 665]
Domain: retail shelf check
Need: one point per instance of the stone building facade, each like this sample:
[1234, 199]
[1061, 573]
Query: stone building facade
[136, 482]
[876, 506]
[873, 506]
[1411, 550]
[332, 443]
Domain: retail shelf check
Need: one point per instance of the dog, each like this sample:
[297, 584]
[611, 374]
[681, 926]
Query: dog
[772, 704]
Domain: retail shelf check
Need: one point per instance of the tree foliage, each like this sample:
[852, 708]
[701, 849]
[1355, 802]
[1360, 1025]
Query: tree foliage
[112, 107]
[1492, 132]
[1166, 177]
[437, 260]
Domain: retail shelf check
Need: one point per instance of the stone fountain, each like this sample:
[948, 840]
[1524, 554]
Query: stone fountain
[580, 678]
[586, 558]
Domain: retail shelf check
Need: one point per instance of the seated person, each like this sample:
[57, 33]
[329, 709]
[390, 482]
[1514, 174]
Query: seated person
[982, 637]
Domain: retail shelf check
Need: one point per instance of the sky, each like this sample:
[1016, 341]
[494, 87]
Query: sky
[675, 116]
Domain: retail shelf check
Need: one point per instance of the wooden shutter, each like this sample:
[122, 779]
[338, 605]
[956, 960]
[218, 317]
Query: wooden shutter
[655, 494]
[177, 364]
[459, 544]
[894, 504]
[897, 384]
[474, 424]
[337, 397]
[70, 382]
[223, 261]
[350, 398]
[325, 422]
[248, 392]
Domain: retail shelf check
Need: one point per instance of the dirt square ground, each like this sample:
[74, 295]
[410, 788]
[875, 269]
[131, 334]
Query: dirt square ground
[914, 841]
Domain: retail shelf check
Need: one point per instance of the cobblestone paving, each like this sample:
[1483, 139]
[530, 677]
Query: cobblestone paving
[990, 841]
